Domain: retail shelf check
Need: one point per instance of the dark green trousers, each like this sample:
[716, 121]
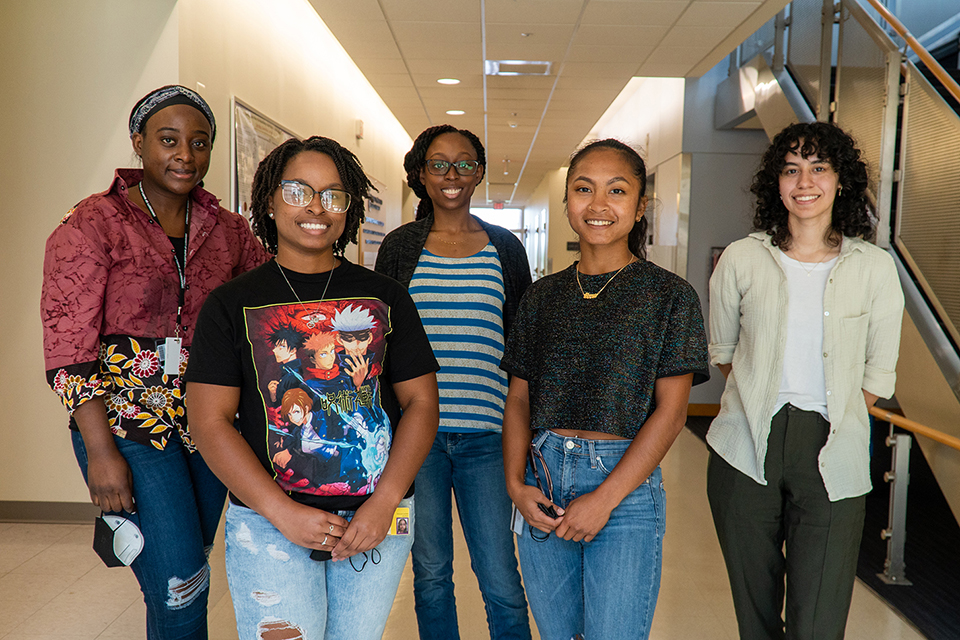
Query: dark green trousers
[787, 529]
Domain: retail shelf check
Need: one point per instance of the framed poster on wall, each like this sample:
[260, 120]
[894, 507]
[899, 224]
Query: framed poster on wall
[254, 136]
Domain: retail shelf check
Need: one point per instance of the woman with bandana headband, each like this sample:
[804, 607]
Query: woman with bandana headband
[125, 274]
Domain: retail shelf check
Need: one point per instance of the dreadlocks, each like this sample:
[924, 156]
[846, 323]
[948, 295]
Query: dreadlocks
[270, 172]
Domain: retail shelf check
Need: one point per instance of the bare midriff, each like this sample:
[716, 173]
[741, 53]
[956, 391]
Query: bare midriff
[586, 435]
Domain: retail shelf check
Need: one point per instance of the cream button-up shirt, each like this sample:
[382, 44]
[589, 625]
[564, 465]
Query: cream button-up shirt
[863, 312]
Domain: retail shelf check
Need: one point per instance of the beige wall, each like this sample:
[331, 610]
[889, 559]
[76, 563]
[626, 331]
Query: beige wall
[75, 68]
[549, 196]
[78, 67]
[279, 58]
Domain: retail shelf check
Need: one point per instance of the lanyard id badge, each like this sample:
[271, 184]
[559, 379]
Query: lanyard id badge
[400, 524]
[172, 354]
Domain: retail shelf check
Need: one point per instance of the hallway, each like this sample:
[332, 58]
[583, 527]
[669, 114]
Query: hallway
[53, 587]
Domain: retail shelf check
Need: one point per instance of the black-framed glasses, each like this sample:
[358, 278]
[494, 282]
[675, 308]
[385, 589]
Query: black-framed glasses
[463, 167]
[297, 194]
[536, 457]
[374, 558]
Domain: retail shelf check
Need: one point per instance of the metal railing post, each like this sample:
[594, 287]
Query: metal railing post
[896, 532]
[828, 17]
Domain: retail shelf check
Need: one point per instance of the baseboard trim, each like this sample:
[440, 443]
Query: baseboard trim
[710, 410]
[48, 512]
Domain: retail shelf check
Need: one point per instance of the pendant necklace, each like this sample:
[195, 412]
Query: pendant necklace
[591, 296]
[815, 264]
[313, 319]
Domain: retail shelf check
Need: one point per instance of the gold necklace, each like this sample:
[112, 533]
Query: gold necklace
[591, 296]
[439, 239]
[815, 264]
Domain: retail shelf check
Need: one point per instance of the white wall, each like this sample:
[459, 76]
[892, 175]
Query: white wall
[76, 68]
[721, 206]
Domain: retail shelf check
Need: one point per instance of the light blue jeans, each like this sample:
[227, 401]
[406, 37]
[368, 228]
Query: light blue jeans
[276, 586]
[605, 588]
[472, 465]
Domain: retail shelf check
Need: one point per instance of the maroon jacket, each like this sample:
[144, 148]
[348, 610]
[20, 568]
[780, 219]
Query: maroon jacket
[109, 275]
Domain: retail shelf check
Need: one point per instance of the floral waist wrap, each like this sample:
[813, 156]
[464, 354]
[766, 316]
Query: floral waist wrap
[143, 404]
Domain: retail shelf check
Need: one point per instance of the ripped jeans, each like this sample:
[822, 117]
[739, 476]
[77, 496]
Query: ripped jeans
[279, 592]
[179, 502]
[605, 588]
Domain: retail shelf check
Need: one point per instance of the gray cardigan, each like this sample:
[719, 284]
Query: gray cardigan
[401, 249]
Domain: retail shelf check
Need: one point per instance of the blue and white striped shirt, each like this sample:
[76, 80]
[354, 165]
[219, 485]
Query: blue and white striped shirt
[460, 301]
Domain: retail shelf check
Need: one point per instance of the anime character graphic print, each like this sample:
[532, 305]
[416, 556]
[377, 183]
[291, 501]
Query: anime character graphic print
[318, 367]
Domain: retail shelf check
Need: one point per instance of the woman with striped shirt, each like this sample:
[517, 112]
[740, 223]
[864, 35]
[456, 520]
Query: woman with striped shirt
[466, 278]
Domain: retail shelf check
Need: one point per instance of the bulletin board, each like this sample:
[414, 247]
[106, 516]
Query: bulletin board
[254, 136]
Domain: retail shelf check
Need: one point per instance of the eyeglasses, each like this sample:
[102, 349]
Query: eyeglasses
[297, 194]
[535, 457]
[463, 167]
[374, 558]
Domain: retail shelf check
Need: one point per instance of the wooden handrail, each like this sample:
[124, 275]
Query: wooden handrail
[931, 62]
[915, 427]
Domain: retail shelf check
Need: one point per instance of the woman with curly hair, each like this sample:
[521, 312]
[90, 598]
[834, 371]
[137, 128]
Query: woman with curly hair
[124, 276]
[805, 325]
[308, 551]
[467, 278]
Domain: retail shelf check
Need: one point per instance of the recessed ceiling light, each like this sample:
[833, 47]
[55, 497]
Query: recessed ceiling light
[448, 81]
[516, 67]
[455, 112]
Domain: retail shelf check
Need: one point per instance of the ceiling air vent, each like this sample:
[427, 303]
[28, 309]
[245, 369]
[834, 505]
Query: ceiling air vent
[516, 68]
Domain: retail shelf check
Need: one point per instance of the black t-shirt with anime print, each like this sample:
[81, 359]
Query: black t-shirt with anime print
[315, 374]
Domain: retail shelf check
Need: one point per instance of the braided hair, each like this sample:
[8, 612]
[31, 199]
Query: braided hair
[850, 216]
[416, 160]
[636, 240]
[270, 171]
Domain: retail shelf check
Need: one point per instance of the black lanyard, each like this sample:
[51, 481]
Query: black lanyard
[181, 268]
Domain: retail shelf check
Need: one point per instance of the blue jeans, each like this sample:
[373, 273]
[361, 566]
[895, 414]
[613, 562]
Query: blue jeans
[605, 588]
[179, 502]
[276, 587]
[471, 464]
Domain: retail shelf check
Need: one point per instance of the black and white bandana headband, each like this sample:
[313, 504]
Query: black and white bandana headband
[166, 97]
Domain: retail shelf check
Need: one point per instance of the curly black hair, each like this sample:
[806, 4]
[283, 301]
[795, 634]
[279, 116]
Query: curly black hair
[636, 241]
[416, 160]
[828, 142]
[270, 171]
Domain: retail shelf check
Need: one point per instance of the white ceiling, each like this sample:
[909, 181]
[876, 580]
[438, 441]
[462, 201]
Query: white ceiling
[594, 47]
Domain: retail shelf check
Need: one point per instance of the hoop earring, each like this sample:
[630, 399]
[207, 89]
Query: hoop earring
[839, 191]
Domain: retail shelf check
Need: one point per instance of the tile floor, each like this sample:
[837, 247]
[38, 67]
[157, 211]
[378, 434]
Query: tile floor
[53, 587]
